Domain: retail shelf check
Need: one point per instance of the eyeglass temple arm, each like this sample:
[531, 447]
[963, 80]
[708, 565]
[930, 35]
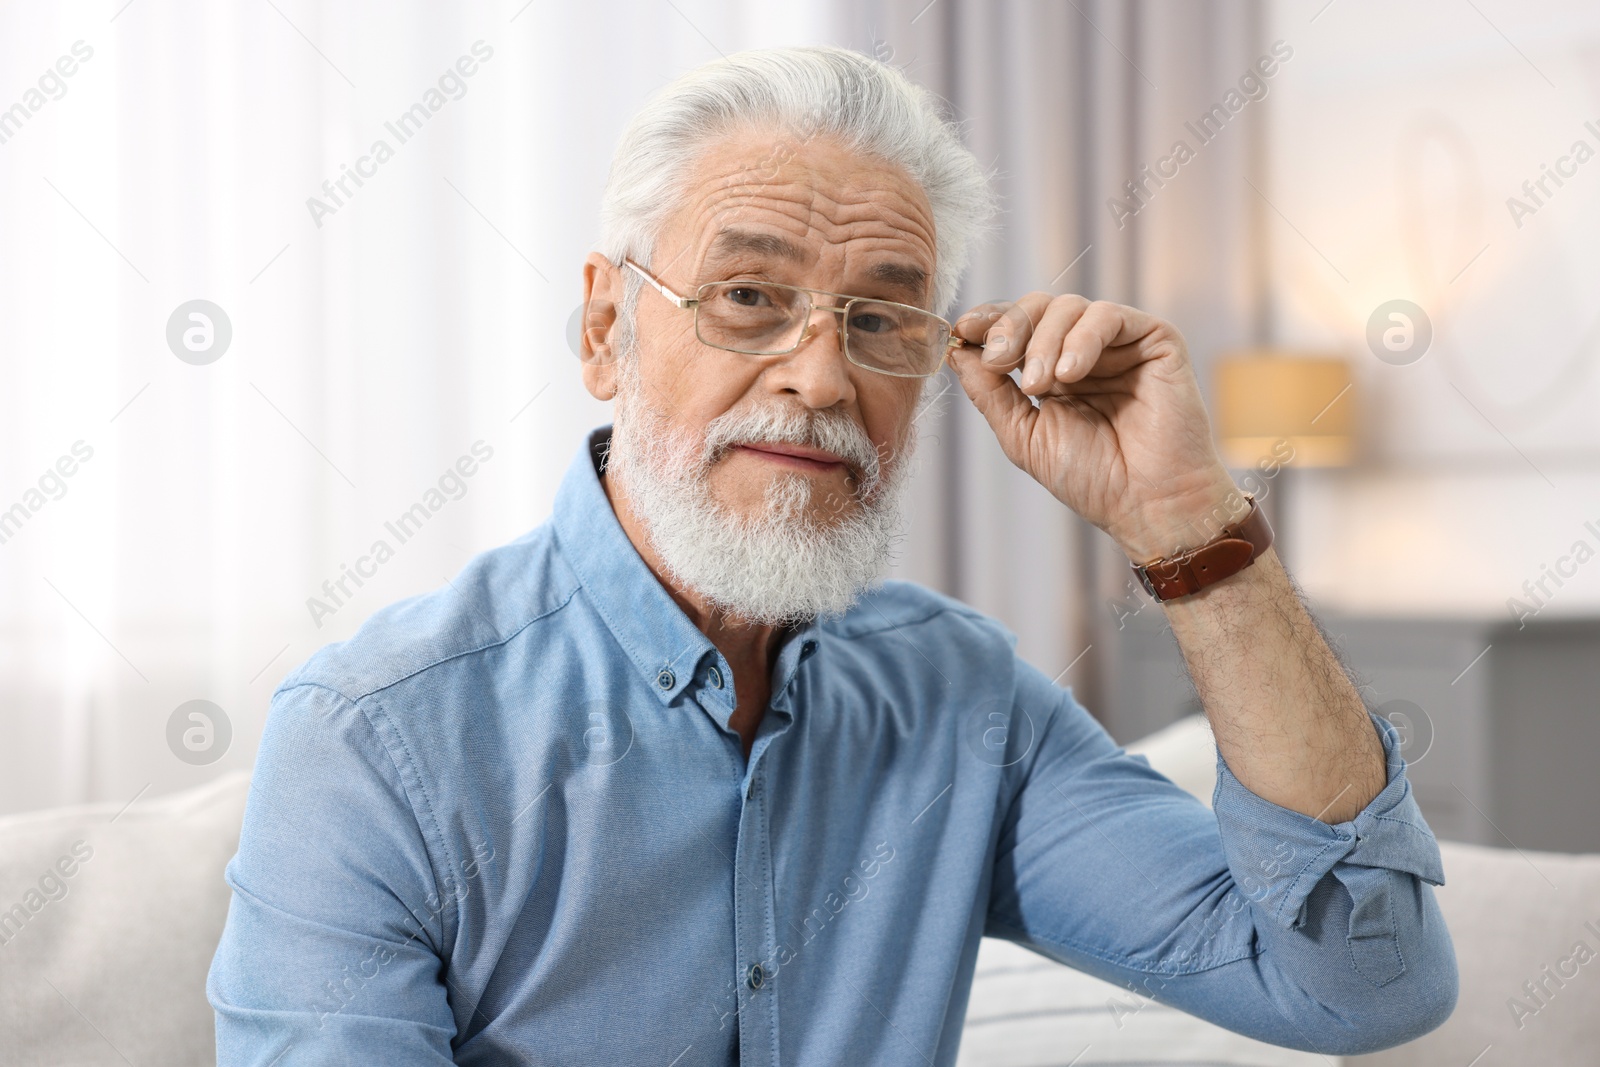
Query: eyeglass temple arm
[681, 301]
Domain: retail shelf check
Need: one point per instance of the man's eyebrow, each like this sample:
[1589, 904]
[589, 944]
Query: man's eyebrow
[906, 276]
[767, 244]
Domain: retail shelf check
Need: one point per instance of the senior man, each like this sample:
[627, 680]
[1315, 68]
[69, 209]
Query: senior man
[675, 779]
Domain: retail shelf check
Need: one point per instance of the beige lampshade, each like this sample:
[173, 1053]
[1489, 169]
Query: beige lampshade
[1267, 396]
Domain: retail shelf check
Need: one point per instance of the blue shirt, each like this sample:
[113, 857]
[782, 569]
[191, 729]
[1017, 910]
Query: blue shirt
[508, 822]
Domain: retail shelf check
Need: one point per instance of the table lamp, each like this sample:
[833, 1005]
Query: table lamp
[1279, 408]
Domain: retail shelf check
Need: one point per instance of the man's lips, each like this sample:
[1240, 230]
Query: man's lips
[813, 459]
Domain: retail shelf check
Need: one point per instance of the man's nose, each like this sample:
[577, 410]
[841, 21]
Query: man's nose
[816, 370]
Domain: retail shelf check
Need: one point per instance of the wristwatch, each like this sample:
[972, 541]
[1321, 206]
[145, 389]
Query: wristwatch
[1227, 554]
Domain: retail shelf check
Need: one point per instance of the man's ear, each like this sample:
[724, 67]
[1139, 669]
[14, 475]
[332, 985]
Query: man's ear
[602, 289]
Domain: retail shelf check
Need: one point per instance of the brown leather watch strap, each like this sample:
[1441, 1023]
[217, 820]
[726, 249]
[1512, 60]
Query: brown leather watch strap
[1227, 554]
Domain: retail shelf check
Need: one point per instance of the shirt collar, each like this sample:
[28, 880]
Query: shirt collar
[666, 648]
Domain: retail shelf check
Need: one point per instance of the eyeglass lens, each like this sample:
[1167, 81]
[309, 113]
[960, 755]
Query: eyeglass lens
[764, 319]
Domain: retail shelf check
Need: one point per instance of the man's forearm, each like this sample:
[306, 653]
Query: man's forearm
[1117, 397]
[1288, 722]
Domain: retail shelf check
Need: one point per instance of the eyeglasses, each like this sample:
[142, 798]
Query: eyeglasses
[761, 318]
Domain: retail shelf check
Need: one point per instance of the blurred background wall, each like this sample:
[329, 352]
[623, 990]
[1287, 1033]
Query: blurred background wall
[152, 155]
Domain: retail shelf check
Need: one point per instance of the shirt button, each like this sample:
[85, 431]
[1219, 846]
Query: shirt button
[758, 977]
[665, 679]
[714, 676]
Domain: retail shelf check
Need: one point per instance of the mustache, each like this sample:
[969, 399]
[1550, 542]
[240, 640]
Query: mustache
[831, 431]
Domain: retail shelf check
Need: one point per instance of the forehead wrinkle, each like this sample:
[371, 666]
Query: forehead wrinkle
[741, 162]
[865, 210]
[874, 221]
[871, 223]
[872, 204]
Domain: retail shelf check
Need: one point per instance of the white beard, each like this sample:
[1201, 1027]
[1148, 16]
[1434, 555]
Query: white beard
[777, 567]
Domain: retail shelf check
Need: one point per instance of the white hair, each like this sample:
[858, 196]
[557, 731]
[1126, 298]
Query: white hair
[806, 92]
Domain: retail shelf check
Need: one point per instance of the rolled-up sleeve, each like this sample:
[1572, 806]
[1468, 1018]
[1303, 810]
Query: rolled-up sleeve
[1316, 936]
[1280, 857]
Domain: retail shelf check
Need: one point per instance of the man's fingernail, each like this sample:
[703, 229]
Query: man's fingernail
[1030, 374]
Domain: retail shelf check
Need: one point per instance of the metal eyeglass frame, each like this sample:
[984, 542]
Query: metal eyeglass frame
[693, 303]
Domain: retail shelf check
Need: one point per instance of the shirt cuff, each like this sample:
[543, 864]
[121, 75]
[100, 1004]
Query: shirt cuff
[1278, 856]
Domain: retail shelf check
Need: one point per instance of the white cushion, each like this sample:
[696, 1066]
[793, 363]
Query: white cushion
[107, 964]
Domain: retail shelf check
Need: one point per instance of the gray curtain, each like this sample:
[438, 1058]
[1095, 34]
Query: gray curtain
[1065, 100]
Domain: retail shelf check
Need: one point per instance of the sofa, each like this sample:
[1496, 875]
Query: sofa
[109, 914]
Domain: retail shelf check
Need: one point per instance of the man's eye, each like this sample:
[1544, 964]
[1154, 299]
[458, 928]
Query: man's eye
[747, 296]
[869, 323]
